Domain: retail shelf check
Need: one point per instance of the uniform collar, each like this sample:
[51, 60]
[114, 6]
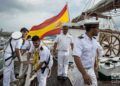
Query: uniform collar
[65, 35]
[39, 48]
[86, 36]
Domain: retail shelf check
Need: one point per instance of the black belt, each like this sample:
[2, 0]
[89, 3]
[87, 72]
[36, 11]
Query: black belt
[43, 69]
[88, 68]
[8, 58]
[46, 64]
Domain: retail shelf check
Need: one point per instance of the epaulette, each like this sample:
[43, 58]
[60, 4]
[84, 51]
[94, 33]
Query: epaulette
[41, 48]
[94, 37]
[81, 37]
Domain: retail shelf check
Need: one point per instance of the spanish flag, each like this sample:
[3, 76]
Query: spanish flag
[51, 26]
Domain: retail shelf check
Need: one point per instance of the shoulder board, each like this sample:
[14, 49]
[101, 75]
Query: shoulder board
[41, 48]
[81, 37]
[94, 37]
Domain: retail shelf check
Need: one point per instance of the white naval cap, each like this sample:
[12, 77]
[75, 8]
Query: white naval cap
[91, 23]
[65, 24]
[70, 24]
[16, 35]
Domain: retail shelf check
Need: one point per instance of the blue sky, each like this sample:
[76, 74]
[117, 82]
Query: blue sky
[15, 14]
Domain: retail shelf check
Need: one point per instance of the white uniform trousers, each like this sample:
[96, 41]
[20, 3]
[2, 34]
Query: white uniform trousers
[63, 59]
[42, 77]
[8, 72]
[80, 82]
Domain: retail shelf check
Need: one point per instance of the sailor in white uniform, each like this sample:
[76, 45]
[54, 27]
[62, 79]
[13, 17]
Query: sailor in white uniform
[26, 41]
[84, 52]
[63, 43]
[24, 32]
[12, 50]
[42, 60]
[27, 44]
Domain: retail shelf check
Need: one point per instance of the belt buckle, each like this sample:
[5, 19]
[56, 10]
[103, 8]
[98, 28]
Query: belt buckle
[87, 68]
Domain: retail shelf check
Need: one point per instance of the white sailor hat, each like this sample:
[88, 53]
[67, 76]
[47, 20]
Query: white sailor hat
[70, 24]
[65, 24]
[16, 35]
[91, 23]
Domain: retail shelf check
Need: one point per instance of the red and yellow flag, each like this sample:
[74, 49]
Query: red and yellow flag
[51, 26]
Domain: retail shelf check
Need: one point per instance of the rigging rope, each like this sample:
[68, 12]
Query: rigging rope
[115, 26]
[86, 4]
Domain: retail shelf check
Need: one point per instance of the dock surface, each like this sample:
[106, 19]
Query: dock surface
[52, 81]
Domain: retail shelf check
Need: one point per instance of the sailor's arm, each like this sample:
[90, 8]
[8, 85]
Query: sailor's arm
[50, 64]
[23, 51]
[77, 53]
[100, 54]
[96, 64]
[17, 51]
[86, 77]
[79, 65]
[72, 45]
[54, 52]
[17, 48]
[100, 50]
[24, 47]
[55, 46]
[29, 54]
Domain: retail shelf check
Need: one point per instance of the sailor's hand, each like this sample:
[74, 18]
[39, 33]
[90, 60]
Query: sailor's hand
[96, 67]
[33, 72]
[87, 79]
[54, 51]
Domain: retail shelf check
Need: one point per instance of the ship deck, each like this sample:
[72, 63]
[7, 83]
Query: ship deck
[52, 80]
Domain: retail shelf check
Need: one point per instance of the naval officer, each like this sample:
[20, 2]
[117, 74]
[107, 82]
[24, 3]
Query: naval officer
[84, 53]
[42, 60]
[63, 43]
[24, 32]
[26, 40]
[27, 44]
[12, 50]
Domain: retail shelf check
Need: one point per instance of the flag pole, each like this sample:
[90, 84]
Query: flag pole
[68, 13]
[68, 10]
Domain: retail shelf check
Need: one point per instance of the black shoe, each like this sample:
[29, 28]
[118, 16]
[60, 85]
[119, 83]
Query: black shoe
[64, 78]
[59, 77]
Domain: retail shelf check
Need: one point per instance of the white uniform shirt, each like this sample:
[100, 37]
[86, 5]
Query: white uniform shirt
[86, 49]
[43, 53]
[64, 42]
[27, 45]
[15, 44]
